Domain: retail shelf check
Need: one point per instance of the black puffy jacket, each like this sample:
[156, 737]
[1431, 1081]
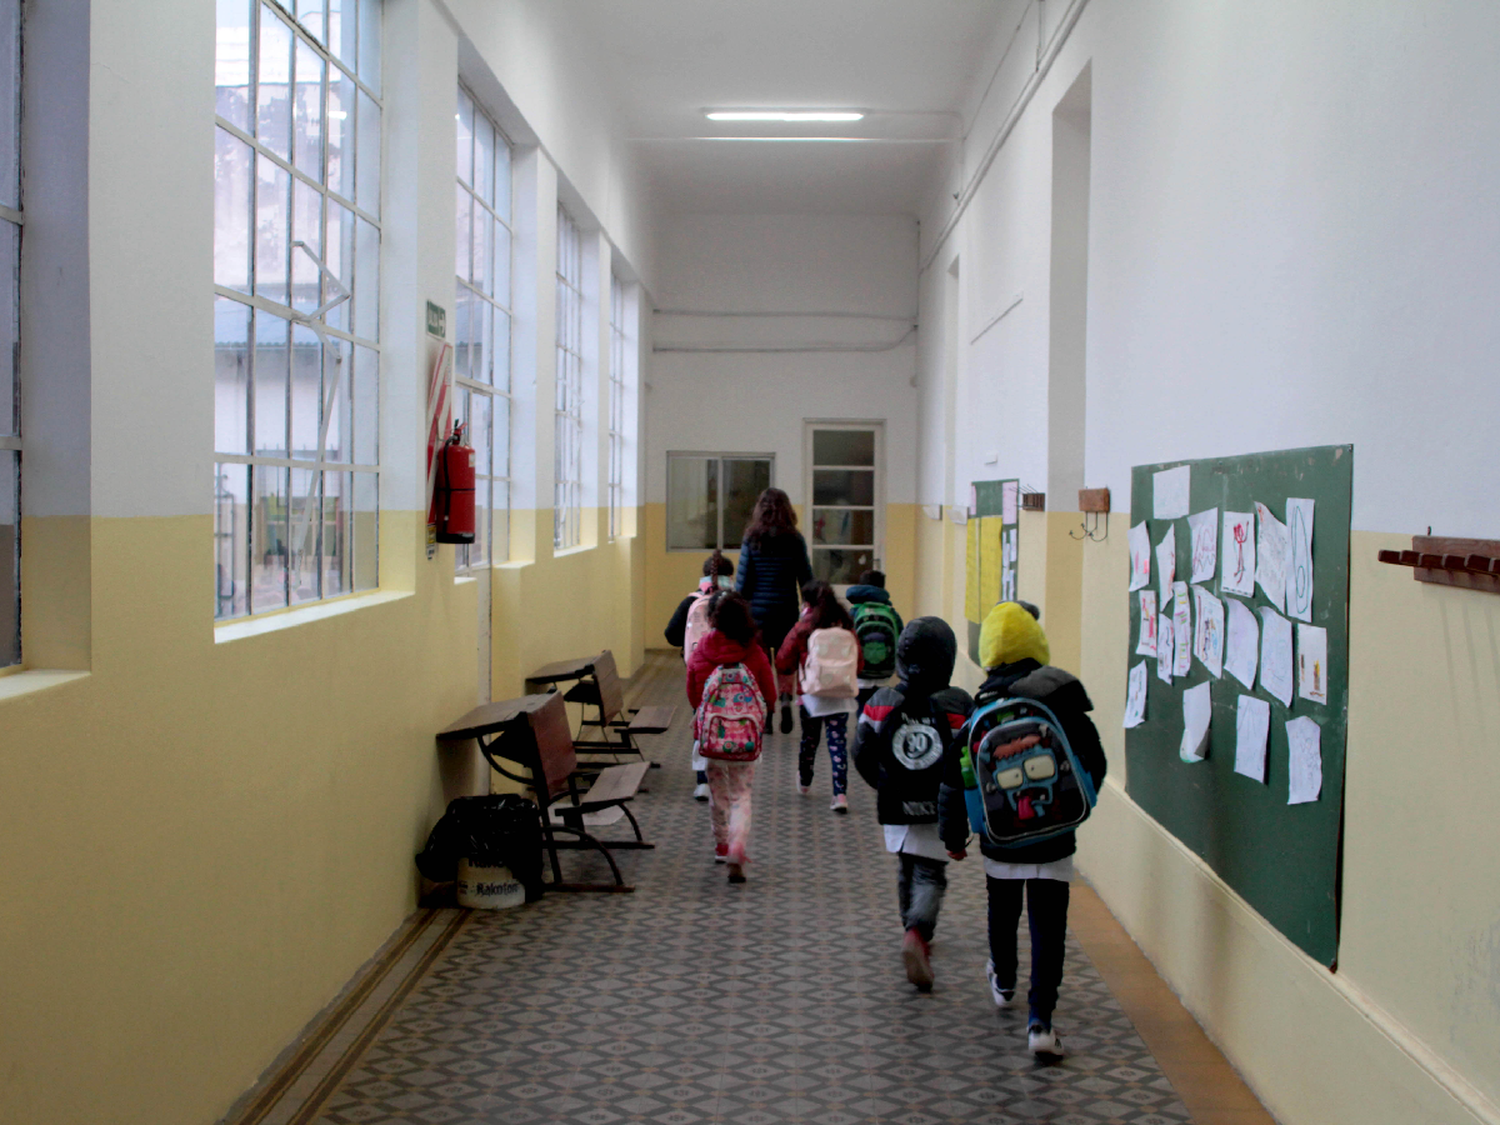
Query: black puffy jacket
[771, 576]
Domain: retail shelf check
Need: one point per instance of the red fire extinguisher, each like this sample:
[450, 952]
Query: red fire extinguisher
[453, 493]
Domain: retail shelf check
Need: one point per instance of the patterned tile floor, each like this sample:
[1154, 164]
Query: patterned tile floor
[781, 1000]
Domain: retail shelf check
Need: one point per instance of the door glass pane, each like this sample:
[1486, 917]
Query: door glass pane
[844, 487]
[843, 525]
[692, 502]
[844, 447]
[841, 566]
[231, 540]
[231, 376]
[744, 481]
[268, 539]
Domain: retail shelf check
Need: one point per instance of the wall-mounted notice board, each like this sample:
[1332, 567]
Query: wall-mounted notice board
[994, 539]
[1258, 547]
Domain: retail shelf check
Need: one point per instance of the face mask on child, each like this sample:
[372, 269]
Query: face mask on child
[725, 582]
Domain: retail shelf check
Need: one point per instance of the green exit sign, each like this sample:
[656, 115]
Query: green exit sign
[437, 321]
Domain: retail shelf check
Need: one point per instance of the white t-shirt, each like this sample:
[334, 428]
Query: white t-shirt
[821, 706]
[915, 839]
[1059, 869]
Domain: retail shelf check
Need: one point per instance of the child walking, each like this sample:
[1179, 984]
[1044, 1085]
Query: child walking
[877, 625]
[1014, 651]
[823, 650]
[688, 626]
[730, 686]
[898, 750]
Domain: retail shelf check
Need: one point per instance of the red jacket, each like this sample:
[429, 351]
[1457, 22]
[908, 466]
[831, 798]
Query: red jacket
[715, 650]
[794, 649]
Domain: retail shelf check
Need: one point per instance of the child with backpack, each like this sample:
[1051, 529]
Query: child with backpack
[824, 651]
[1024, 747]
[688, 626]
[730, 685]
[898, 749]
[877, 625]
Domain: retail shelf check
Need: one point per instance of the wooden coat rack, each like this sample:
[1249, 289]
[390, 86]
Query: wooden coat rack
[1473, 564]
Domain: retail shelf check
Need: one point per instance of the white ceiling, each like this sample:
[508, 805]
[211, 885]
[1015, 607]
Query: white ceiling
[906, 63]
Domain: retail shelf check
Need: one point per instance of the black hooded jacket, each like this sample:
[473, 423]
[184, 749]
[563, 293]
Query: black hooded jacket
[904, 731]
[1063, 694]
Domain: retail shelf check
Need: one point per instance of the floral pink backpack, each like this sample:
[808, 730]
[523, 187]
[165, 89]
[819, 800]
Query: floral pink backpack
[731, 717]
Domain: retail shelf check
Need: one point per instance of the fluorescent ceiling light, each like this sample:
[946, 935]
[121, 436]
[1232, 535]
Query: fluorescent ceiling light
[781, 115]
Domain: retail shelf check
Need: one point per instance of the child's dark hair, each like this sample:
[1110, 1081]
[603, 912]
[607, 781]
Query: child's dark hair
[873, 578]
[730, 614]
[827, 611]
[717, 566]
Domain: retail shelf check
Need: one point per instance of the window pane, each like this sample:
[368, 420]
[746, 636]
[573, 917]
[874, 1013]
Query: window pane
[481, 419]
[231, 540]
[232, 63]
[465, 139]
[310, 15]
[231, 211]
[692, 502]
[500, 437]
[10, 329]
[844, 486]
[481, 228]
[479, 550]
[303, 540]
[502, 265]
[744, 481]
[307, 119]
[463, 303]
[366, 280]
[500, 349]
[268, 539]
[369, 42]
[841, 525]
[341, 134]
[272, 376]
[502, 178]
[339, 240]
[844, 447]
[341, 31]
[338, 364]
[841, 566]
[363, 530]
[231, 376]
[273, 98]
[338, 577]
[307, 228]
[484, 159]
[366, 407]
[10, 558]
[500, 522]
[273, 222]
[368, 158]
[307, 392]
[463, 241]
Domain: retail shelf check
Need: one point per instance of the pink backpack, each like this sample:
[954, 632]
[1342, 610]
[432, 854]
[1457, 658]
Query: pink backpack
[832, 664]
[731, 717]
[697, 624]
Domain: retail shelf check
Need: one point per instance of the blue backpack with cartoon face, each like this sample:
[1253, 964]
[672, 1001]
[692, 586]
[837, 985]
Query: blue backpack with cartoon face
[1027, 784]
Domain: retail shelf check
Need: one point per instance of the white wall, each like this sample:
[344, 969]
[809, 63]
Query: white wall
[757, 402]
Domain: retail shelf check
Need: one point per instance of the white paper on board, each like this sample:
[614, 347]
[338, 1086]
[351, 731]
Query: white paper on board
[1135, 696]
[1165, 654]
[1008, 500]
[1270, 555]
[1242, 654]
[1205, 532]
[1182, 629]
[1238, 549]
[1169, 493]
[1299, 567]
[1146, 644]
[1276, 655]
[1197, 710]
[1208, 633]
[1252, 724]
[1312, 663]
[1166, 564]
[1140, 556]
[1304, 740]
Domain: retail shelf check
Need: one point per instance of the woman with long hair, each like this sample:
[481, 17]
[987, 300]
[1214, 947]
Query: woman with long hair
[824, 653]
[773, 567]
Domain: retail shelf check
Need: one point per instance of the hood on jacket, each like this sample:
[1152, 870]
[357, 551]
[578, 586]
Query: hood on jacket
[925, 653]
[716, 648]
[1010, 633]
[857, 594]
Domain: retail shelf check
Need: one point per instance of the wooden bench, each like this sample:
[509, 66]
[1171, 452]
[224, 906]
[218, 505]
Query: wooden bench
[532, 733]
[598, 686]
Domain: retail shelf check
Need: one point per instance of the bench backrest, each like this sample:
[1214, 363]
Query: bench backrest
[611, 694]
[554, 746]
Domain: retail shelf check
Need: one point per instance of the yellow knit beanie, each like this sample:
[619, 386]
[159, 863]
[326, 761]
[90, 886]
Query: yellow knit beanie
[1009, 634]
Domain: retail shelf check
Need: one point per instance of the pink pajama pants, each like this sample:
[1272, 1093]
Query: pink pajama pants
[729, 785]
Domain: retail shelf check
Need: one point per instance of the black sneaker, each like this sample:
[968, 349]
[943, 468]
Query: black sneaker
[786, 718]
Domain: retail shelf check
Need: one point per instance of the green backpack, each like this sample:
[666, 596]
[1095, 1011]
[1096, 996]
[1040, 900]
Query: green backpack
[876, 626]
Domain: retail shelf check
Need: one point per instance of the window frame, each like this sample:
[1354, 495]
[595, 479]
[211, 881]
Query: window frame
[567, 480]
[720, 457]
[618, 337]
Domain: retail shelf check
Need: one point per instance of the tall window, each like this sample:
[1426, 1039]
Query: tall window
[710, 497]
[297, 308]
[10, 387]
[617, 342]
[482, 325]
[568, 462]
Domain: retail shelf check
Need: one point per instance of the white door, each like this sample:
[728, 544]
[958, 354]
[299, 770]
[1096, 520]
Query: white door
[844, 489]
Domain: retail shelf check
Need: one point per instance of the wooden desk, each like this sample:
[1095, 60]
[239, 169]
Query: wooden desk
[561, 671]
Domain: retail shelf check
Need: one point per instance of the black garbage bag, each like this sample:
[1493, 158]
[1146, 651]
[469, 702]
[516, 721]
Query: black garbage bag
[498, 830]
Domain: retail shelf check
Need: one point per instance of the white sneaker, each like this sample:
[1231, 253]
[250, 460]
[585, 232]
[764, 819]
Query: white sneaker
[1003, 997]
[700, 791]
[1043, 1042]
[840, 803]
[803, 789]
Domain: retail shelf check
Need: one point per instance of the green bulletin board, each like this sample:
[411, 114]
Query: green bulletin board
[1282, 858]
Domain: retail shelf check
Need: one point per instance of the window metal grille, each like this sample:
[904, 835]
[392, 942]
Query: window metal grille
[568, 459]
[297, 299]
[482, 319]
[617, 341]
[11, 219]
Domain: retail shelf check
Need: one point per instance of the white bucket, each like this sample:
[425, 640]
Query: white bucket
[488, 888]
